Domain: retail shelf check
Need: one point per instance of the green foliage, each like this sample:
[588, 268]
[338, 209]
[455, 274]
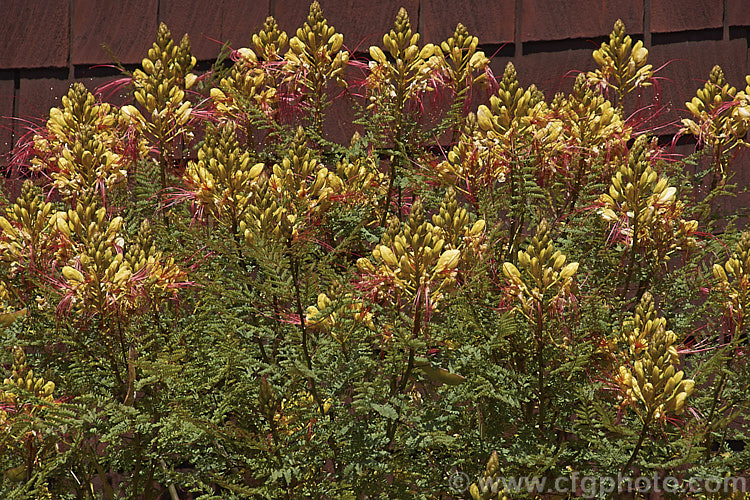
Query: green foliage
[283, 316]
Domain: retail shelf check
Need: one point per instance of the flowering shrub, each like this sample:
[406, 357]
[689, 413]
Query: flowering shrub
[284, 316]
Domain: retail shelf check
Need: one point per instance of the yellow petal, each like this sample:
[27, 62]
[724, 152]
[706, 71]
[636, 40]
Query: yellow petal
[72, 274]
[387, 255]
[448, 260]
[256, 170]
[569, 270]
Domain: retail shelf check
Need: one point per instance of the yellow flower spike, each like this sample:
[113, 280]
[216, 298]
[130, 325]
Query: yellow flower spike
[512, 109]
[543, 281]
[409, 73]
[622, 64]
[462, 60]
[270, 42]
[648, 204]
[222, 180]
[595, 125]
[315, 59]
[650, 350]
[417, 255]
[160, 91]
[718, 120]
[79, 133]
[29, 228]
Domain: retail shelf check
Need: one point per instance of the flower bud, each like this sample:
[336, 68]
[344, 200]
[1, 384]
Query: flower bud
[448, 260]
[511, 272]
[377, 54]
[484, 117]
[387, 255]
[336, 42]
[719, 273]
[477, 228]
[569, 270]
[72, 274]
[427, 51]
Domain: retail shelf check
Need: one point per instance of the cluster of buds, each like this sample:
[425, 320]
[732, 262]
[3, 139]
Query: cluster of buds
[647, 376]
[644, 205]
[82, 146]
[315, 58]
[270, 42]
[96, 277]
[720, 118]
[22, 378]
[298, 190]
[712, 117]
[289, 410]
[23, 399]
[266, 219]
[515, 115]
[544, 277]
[519, 120]
[361, 180]
[301, 181]
[141, 251]
[516, 123]
[155, 276]
[592, 122]
[487, 487]
[623, 65]
[316, 49]
[412, 259]
[7, 313]
[734, 281]
[410, 71]
[100, 277]
[457, 232]
[512, 109]
[251, 81]
[339, 317]
[576, 131]
[26, 237]
[160, 89]
[462, 60]
[221, 181]
[473, 160]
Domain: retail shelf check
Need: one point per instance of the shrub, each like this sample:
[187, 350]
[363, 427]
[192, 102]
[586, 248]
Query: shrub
[525, 287]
